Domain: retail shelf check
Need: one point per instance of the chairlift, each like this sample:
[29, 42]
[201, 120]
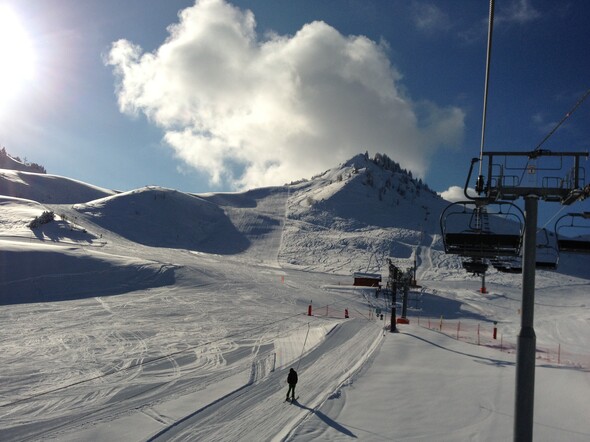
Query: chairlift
[475, 266]
[473, 229]
[507, 264]
[547, 255]
[577, 222]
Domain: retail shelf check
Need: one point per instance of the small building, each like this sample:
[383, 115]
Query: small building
[367, 279]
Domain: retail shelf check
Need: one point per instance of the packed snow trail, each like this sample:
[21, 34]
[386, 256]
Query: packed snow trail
[425, 264]
[259, 216]
[259, 411]
[425, 386]
[420, 366]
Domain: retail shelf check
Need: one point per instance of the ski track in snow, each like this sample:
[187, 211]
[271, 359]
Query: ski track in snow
[259, 401]
[204, 355]
[122, 386]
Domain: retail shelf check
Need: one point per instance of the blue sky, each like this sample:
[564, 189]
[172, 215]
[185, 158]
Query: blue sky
[250, 93]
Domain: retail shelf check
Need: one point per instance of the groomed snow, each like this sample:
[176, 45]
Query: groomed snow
[122, 321]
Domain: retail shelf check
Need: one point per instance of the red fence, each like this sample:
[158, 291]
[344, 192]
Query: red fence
[487, 334]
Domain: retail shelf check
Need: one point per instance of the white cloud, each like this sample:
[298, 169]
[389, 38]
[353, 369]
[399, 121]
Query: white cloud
[540, 122]
[429, 17]
[456, 193]
[515, 13]
[519, 12]
[253, 112]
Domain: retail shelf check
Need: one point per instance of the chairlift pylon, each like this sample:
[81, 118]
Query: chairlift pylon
[473, 229]
[575, 244]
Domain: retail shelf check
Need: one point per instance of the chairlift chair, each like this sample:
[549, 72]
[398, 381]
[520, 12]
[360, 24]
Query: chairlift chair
[547, 255]
[470, 229]
[475, 266]
[507, 264]
[577, 244]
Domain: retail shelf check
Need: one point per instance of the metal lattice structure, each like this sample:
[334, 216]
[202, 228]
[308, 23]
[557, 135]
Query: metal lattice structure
[550, 176]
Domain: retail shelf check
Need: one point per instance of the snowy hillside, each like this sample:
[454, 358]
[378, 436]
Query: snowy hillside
[9, 162]
[161, 217]
[155, 314]
[50, 189]
[361, 194]
[331, 215]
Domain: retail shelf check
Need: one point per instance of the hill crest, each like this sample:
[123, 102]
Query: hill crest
[364, 192]
[7, 161]
[48, 189]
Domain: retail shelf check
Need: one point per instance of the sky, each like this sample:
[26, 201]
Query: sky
[220, 96]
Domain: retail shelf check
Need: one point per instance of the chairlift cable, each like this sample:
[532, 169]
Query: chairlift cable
[566, 116]
[479, 186]
[486, 87]
[551, 219]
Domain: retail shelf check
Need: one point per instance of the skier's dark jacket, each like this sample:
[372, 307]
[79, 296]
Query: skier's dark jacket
[292, 377]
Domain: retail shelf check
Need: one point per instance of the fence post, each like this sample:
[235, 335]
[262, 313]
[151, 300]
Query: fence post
[441, 321]
[458, 328]
[477, 334]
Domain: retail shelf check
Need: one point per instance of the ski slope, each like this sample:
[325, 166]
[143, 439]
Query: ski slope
[158, 315]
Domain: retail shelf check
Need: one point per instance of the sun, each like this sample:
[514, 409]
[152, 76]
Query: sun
[17, 55]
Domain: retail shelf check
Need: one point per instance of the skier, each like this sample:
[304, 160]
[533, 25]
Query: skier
[292, 381]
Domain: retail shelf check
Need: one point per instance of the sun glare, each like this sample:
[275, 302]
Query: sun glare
[17, 56]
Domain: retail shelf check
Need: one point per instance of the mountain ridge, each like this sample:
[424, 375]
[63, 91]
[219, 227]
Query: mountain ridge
[371, 208]
[354, 217]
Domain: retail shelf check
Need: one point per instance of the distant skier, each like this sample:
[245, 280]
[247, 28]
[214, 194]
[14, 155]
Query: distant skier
[292, 381]
[346, 313]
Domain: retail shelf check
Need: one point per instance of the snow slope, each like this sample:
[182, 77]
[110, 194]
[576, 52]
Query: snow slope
[50, 189]
[159, 315]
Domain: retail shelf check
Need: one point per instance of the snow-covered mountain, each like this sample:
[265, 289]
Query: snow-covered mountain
[351, 218]
[355, 216]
